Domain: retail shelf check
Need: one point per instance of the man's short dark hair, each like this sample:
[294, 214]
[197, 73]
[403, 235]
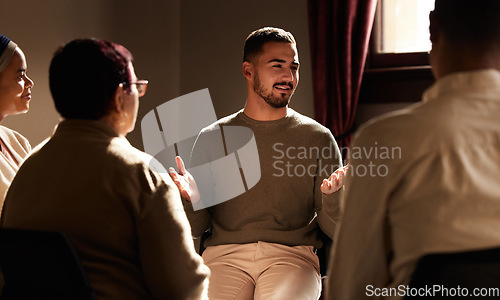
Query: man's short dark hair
[256, 39]
[469, 22]
[84, 75]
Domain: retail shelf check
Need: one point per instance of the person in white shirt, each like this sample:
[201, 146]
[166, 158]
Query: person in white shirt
[435, 165]
[15, 97]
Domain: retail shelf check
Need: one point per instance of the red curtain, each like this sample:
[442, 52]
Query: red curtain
[339, 34]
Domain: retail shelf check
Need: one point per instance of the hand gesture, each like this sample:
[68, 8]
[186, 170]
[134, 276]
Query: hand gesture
[185, 182]
[335, 181]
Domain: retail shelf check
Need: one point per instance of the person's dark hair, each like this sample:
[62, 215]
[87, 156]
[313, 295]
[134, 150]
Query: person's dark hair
[256, 39]
[84, 75]
[469, 22]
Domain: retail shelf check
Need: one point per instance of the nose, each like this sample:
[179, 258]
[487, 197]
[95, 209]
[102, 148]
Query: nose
[289, 74]
[29, 83]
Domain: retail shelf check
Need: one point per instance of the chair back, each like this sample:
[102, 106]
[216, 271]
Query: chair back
[41, 265]
[458, 274]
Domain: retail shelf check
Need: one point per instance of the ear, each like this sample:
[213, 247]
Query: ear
[118, 99]
[247, 69]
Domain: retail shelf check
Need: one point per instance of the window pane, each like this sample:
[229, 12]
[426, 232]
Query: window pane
[403, 26]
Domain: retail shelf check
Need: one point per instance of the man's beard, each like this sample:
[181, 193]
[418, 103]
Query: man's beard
[270, 98]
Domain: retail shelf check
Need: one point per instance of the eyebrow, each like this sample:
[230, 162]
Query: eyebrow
[21, 70]
[282, 61]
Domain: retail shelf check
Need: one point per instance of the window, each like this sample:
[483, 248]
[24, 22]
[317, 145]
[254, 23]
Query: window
[397, 67]
[400, 34]
[403, 26]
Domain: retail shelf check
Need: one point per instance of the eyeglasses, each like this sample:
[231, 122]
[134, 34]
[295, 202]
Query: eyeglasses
[141, 86]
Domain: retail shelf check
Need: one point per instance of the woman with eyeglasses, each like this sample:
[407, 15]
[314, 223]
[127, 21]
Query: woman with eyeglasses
[15, 97]
[120, 210]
